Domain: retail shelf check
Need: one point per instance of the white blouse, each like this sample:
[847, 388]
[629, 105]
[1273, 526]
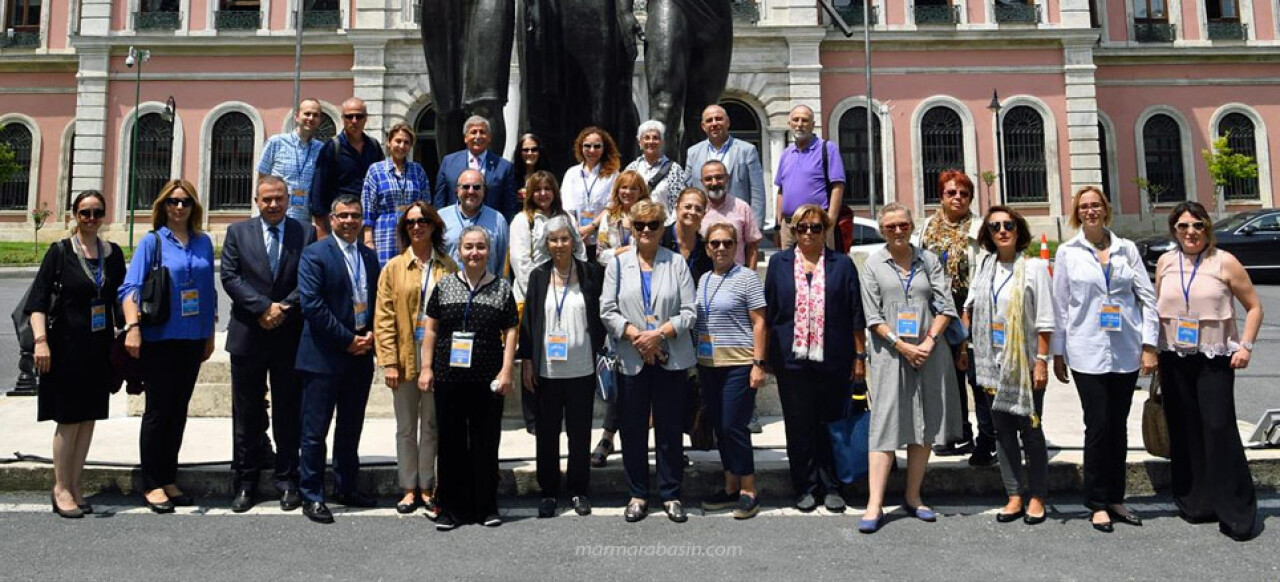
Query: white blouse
[586, 192]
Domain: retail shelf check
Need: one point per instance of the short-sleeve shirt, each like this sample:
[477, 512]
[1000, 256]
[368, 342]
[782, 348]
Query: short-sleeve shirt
[286, 156]
[739, 214]
[731, 298]
[800, 175]
[492, 310]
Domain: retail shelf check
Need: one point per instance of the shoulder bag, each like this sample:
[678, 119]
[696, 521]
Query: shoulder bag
[153, 302]
[1155, 428]
[607, 366]
[22, 319]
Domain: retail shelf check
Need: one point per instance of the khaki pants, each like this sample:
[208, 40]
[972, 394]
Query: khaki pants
[788, 237]
[416, 435]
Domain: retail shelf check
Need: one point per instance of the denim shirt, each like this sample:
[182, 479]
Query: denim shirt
[190, 267]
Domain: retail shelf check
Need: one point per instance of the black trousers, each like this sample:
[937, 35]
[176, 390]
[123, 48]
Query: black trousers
[665, 392]
[966, 382]
[169, 369]
[569, 400]
[469, 418]
[810, 399]
[1106, 400]
[249, 376]
[323, 396]
[1211, 478]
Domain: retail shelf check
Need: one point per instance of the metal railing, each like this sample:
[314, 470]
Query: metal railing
[238, 19]
[745, 11]
[1227, 30]
[1017, 13]
[852, 14]
[20, 39]
[321, 19]
[937, 14]
[1154, 31]
[157, 20]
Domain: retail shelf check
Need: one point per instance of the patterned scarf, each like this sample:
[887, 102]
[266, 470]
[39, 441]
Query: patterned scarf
[951, 241]
[811, 311]
[1010, 378]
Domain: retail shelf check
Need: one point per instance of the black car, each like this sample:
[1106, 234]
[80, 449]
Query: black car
[1253, 237]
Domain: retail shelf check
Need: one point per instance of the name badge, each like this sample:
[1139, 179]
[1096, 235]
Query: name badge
[190, 302]
[420, 329]
[362, 315]
[97, 315]
[706, 346]
[650, 322]
[1188, 331]
[997, 333]
[586, 218]
[557, 346]
[1109, 317]
[909, 323]
[298, 199]
[460, 349]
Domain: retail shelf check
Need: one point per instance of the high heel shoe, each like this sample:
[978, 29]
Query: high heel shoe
[69, 514]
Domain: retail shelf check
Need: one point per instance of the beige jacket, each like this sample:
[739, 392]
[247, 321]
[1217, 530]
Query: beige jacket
[399, 289]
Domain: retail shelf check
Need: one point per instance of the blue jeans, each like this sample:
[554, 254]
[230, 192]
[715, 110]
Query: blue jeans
[729, 401]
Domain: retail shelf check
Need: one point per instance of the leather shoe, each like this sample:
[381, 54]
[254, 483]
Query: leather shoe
[290, 500]
[317, 511]
[581, 505]
[1104, 527]
[165, 506]
[636, 511]
[244, 501]
[675, 511]
[1130, 518]
[1003, 517]
[806, 503]
[547, 508]
[85, 508]
[1035, 519]
[834, 502]
[355, 499]
[182, 500]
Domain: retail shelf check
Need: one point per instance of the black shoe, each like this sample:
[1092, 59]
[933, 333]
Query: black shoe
[636, 511]
[244, 501]
[317, 511]
[492, 520]
[547, 508]
[430, 509]
[446, 522]
[165, 506]
[982, 458]
[85, 508]
[355, 499]
[407, 508]
[1035, 519]
[748, 507]
[806, 503]
[600, 455]
[1003, 517]
[1104, 527]
[183, 500]
[1130, 517]
[953, 449]
[581, 505]
[834, 502]
[675, 511]
[753, 425]
[69, 514]
[719, 501]
[290, 500]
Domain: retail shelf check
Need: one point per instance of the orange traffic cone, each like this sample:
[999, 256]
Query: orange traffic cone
[1044, 251]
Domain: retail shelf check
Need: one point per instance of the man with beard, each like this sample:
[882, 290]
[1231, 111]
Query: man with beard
[724, 208]
[810, 172]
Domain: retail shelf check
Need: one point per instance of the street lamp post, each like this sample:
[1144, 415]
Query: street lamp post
[136, 57]
[995, 107]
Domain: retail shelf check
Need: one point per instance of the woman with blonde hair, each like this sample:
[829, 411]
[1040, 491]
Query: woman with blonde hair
[614, 225]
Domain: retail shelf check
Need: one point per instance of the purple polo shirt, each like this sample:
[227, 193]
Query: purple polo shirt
[800, 175]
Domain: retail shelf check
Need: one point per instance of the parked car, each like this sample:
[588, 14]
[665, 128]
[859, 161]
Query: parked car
[1253, 237]
[866, 239]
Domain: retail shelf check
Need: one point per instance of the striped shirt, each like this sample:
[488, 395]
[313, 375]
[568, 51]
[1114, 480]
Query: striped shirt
[385, 196]
[286, 156]
[728, 322]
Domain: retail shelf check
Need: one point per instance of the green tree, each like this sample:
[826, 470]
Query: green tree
[1225, 166]
[8, 163]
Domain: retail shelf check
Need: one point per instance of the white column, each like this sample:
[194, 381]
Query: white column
[91, 119]
[369, 77]
[1082, 119]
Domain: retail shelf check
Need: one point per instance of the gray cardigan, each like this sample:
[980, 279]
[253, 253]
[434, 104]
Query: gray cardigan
[673, 297]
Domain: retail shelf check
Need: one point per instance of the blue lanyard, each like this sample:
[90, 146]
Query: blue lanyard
[301, 168]
[563, 294]
[463, 221]
[995, 291]
[1186, 284]
[97, 275]
[586, 199]
[356, 275]
[186, 250]
[646, 292]
[466, 315]
[707, 301]
[906, 283]
[1106, 270]
[401, 182]
[724, 149]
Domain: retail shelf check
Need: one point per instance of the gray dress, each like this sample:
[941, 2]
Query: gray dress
[909, 406]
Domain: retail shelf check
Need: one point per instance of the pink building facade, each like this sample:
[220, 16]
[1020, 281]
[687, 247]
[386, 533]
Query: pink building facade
[1091, 92]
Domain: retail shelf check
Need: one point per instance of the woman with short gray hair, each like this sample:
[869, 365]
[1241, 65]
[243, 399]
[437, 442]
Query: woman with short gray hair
[664, 177]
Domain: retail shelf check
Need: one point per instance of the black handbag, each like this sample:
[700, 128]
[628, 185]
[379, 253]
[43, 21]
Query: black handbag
[22, 318]
[153, 303]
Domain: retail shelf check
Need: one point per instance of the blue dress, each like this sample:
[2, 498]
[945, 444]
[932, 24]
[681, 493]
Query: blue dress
[386, 194]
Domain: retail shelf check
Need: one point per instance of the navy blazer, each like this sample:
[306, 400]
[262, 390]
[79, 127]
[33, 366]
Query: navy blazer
[246, 277]
[843, 311]
[499, 179]
[329, 319]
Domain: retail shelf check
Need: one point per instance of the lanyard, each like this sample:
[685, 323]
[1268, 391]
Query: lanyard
[401, 182]
[995, 291]
[186, 250]
[301, 168]
[707, 301]
[1186, 283]
[906, 283]
[95, 275]
[466, 315]
[356, 275]
[427, 269]
[464, 221]
[1106, 270]
[563, 293]
[586, 198]
[646, 292]
[719, 154]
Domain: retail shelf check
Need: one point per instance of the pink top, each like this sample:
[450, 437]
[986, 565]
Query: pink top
[1211, 300]
[739, 214]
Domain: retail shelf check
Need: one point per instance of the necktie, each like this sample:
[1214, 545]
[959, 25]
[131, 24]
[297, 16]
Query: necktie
[474, 164]
[273, 249]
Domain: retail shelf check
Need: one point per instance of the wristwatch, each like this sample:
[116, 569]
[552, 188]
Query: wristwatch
[1046, 358]
[128, 326]
[893, 338]
[1247, 345]
[860, 356]
[760, 363]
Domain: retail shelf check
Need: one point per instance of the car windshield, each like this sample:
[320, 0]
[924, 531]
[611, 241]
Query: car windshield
[1234, 222]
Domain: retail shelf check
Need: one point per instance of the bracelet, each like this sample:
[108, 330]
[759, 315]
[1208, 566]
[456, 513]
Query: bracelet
[1046, 358]
[893, 338]
[41, 339]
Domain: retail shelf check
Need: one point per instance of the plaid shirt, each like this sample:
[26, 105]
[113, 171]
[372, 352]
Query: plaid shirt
[286, 156]
[385, 196]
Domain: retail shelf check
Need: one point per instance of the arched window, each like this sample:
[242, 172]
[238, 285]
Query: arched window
[425, 151]
[1026, 173]
[853, 153]
[231, 170]
[1240, 138]
[1162, 144]
[154, 157]
[743, 123]
[15, 190]
[327, 128]
[941, 148]
[1104, 159]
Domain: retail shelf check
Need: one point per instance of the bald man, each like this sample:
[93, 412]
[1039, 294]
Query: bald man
[740, 158]
[343, 162]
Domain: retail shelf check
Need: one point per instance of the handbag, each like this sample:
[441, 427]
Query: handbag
[850, 436]
[125, 369]
[702, 435]
[22, 318]
[607, 366]
[153, 303]
[1155, 427]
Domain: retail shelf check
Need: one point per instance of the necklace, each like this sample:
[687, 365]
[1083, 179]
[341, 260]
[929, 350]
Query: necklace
[1103, 244]
[564, 275]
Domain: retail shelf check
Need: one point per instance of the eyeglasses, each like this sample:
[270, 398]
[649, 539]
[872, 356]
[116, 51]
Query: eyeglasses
[809, 227]
[419, 221]
[533, 150]
[92, 213]
[1007, 225]
[1197, 226]
[1094, 206]
[347, 215]
[652, 225]
[960, 193]
[721, 244]
[475, 187]
[592, 146]
[353, 116]
[896, 227]
[179, 202]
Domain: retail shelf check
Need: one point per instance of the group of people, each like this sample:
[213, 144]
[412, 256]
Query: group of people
[459, 292]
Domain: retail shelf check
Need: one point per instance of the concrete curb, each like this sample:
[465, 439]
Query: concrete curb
[19, 272]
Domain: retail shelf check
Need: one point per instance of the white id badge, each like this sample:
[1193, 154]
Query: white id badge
[1188, 331]
[997, 332]
[706, 347]
[557, 346]
[460, 349]
[650, 322]
[586, 218]
[298, 199]
[1109, 317]
[97, 315]
[909, 322]
[362, 315]
[420, 329]
[190, 302]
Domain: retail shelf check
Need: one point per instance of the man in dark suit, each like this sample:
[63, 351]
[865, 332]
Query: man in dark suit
[499, 174]
[260, 274]
[337, 284]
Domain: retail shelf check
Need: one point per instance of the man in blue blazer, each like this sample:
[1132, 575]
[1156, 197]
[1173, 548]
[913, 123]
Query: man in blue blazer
[746, 175]
[499, 174]
[260, 274]
[337, 285]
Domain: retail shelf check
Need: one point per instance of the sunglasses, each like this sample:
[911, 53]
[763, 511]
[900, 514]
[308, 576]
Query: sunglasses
[1197, 226]
[90, 214]
[179, 202]
[897, 227]
[475, 187]
[721, 244]
[420, 221]
[348, 215]
[960, 193]
[809, 227]
[529, 150]
[1007, 225]
[354, 116]
[592, 146]
[652, 225]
